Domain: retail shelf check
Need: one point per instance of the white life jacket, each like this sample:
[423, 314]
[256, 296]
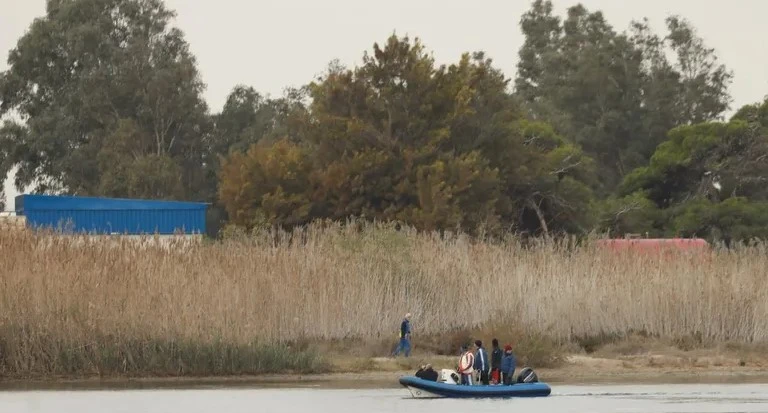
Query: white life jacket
[466, 362]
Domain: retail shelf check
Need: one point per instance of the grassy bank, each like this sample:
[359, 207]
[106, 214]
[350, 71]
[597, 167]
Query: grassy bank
[42, 356]
[284, 302]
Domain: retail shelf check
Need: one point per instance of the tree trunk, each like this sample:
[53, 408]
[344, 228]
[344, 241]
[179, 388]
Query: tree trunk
[540, 215]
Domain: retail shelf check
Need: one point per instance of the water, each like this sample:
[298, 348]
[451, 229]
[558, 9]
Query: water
[709, 398]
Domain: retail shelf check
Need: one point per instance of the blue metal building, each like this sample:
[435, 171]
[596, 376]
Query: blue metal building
[104, 216]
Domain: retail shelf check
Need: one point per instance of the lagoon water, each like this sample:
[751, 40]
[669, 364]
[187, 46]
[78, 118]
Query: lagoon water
[676, 398]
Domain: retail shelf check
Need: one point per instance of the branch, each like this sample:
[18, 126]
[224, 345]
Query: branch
[565, 168]
[634, 206]
[530, 140]
[559, 201]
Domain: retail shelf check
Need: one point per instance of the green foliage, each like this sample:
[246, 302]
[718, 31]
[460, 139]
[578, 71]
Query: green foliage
[616, 94]
[105, 88]
[456, 193]
[734, 219]
[248, 117]
[708, 179]
[633, 213]
[109, 356]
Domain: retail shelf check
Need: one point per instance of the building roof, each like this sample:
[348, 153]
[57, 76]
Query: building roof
[28, 202]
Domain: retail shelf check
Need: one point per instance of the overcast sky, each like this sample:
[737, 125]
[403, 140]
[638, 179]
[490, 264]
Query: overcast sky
[273, 44]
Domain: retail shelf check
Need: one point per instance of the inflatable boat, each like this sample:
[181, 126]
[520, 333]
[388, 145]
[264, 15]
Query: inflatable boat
[445, 387]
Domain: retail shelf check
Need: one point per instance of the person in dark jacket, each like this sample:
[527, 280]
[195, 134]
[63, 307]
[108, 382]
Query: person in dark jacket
[508, 364]
[427, 373]
[481, 362]
[496, 355]
[405, 337]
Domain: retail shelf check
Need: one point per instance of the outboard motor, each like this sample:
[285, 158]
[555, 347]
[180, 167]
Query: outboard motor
[448, 376]
[527, 375]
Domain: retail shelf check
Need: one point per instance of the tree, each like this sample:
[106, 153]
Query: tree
[392, 133]
[633, 213]
[268, 185]
[111, 103]
[248, 117]
[734, 220]
[438, 147]
[704, 83]
[585, 79]
[616, 94]
[546, 179]
[708, 176]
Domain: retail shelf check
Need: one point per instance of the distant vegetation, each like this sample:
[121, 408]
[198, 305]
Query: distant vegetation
[599, 129]
[261, 302]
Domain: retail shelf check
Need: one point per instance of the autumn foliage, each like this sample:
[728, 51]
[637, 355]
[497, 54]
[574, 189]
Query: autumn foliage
[402, 139]
[598, 130]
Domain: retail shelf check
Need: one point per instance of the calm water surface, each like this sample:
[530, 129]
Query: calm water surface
[598, 399]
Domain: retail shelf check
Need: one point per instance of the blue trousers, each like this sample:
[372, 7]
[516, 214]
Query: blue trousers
[405, 345]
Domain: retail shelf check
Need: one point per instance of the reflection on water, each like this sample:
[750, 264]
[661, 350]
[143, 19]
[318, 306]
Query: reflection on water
[708, 398]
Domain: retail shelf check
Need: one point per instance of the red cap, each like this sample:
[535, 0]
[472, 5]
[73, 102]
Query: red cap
[507, 347]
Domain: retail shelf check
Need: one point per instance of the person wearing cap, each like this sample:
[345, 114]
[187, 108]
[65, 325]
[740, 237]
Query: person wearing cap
[405, 337]
[482, 366]
[508, 364]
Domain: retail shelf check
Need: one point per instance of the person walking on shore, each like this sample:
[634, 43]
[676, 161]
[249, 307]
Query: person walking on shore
[405, 337]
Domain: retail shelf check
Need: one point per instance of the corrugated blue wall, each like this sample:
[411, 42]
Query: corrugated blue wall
[109, 215]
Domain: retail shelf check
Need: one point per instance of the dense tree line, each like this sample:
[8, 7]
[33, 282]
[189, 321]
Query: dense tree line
[599, 130]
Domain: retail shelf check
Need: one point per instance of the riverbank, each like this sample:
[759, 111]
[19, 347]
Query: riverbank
[668, 365]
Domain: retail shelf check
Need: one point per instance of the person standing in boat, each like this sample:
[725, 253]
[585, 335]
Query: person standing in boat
[508, 364]
[496, 355]
[405, 337]
[466, 366]
[481, 362]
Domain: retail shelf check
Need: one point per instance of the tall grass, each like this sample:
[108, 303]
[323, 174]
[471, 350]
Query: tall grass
[238, 305]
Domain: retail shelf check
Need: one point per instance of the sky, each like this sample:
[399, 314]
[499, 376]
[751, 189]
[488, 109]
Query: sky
[273, 44]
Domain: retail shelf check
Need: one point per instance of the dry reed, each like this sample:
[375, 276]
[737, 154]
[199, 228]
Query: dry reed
[101, 308]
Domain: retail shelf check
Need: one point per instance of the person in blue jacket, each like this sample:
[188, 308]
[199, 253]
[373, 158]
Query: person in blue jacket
[508, 364]
[405, 337]
[482, 364]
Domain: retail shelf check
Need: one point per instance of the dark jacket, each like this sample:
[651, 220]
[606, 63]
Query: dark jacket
[508, 363]
[405, 328]
[428, 374]
[496, 356]
[481, 360]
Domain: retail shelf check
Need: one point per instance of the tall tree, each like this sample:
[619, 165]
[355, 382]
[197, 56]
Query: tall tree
[616, 94]
[708, 177]
[248, 117]
[400, 138]
[248, 123]
[110, 100]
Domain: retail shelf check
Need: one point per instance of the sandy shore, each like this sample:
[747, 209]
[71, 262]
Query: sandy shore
[351, 372]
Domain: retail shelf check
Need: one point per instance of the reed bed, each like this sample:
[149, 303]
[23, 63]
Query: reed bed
[72, 305]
